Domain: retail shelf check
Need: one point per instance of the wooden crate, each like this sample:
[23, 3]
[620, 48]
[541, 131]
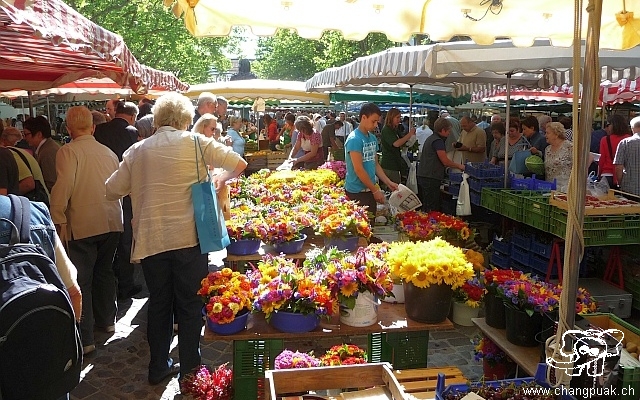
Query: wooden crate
[421, 383]
[276, 158]
[256, 161]
[284, 381]
[557, 199]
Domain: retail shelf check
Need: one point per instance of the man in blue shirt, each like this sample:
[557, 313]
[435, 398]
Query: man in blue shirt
[361, 148]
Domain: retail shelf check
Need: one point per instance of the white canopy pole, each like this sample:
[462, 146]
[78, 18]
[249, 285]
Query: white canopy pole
[506, 137]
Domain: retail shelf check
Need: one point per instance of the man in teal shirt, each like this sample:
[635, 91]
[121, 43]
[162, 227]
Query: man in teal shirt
[361, 148]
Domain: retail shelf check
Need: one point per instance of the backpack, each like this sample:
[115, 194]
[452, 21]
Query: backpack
[40, 346]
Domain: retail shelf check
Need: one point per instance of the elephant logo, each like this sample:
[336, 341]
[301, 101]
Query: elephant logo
[590, 348]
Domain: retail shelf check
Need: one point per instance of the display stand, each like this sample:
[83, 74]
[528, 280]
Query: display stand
[526, 358]
[614, 264]
[395, 338]
[555, 260]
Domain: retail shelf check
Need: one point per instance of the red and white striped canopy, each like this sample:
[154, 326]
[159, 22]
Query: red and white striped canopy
[46, 43]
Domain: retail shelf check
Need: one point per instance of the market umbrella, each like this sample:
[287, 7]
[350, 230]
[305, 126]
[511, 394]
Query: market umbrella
[45, 44]
[482, 21]
[244, 90]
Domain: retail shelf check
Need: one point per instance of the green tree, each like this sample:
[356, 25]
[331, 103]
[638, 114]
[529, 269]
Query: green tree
[288, 56]
[157, 39]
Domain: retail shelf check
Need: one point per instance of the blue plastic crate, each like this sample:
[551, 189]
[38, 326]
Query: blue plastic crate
[484, 170]
[541, 249]
[521, 183]
[540, 266]
[502, 246]
[455, 177]
[475, 197]
[521, 256]
[454, 190]
[500, 260]
[520, 240]
[478, 184]
[539, 184]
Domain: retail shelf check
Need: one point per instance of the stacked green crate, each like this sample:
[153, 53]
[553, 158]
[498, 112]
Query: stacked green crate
[600, 230]
[403, 349]
[251, 358]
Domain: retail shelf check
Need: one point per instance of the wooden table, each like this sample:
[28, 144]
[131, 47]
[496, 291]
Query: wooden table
[309, 244]
[527, 358]
[391, 318]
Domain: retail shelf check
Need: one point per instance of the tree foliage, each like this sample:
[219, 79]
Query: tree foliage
[288, 56]
[157, 39]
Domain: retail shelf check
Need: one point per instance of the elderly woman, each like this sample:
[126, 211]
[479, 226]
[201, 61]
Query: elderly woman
[392, 163]
[311, 142]
[558, 156]
[516, 142]
[206, 125]
[233, 136]
[498, 132]
[158, 173]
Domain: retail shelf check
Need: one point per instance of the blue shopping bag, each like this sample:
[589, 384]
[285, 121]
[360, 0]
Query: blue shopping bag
[210, 225]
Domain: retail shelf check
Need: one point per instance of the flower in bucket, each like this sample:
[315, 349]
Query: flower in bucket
[206, 384]
[486, 349]
[349, 274]
[495, 277]
[282, 226]
[470, 293]
[344, 354]
[278, 283]
[343, 218]
[225, 294]
[434, 262]
[530, 295]
[585, 303]
[294, 359]
[246, 223]
[418, 225]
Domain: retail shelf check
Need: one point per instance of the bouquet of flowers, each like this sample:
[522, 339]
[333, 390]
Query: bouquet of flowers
[344, 354]
[585, 303]
[343, 218]
[470, 293]
[530, 295]
[487, 350]
[433, 262]
[282, 226]
[419, 225]
[495, 277]
[225, 294]
[246, 223]
[339, 167]
[475, 258]
[293, 359]
[204, 384]
[349, 274]
[279, 283]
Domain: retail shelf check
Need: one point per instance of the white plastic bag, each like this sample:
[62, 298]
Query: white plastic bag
[404, 199]
[463, 205]
[412, 179]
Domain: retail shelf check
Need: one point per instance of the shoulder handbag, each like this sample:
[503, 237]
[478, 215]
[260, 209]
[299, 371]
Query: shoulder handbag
[39, 193]
[210, 225]
[517, 164]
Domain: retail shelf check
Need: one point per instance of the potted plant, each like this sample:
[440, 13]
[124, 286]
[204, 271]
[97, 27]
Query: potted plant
[288, 359]
[357, 280]
[430, 270]
[291, 297]
[227, 300]
[207, 384]
[342, 223]
[339, 167]
[418, 225]
[496, 365]
[467, 300]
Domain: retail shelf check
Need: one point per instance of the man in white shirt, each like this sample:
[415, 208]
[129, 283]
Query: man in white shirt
[346, 129]
[422, 133]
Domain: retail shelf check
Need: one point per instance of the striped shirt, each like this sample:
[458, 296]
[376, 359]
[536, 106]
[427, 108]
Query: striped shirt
[628, 155]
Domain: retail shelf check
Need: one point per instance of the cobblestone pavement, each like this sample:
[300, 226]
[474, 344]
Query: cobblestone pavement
[118, 367]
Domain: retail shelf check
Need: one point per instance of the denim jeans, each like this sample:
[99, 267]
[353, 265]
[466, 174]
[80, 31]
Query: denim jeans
[174, 277]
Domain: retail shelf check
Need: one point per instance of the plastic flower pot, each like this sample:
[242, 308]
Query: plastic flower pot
[290, 322]
[238, 324]
[347, 243]
[291, 247]
[244, 247]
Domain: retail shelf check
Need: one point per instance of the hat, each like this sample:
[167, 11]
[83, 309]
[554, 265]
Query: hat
[316, 116]
[444, 112]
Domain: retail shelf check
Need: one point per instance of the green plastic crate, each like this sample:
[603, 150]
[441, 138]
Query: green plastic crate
[536, 211]
[251, 358]
[490, 199]
[601, 230]
[403, 349]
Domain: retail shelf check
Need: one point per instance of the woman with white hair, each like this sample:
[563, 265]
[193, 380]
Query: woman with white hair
[158, 173]
[558, 156]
